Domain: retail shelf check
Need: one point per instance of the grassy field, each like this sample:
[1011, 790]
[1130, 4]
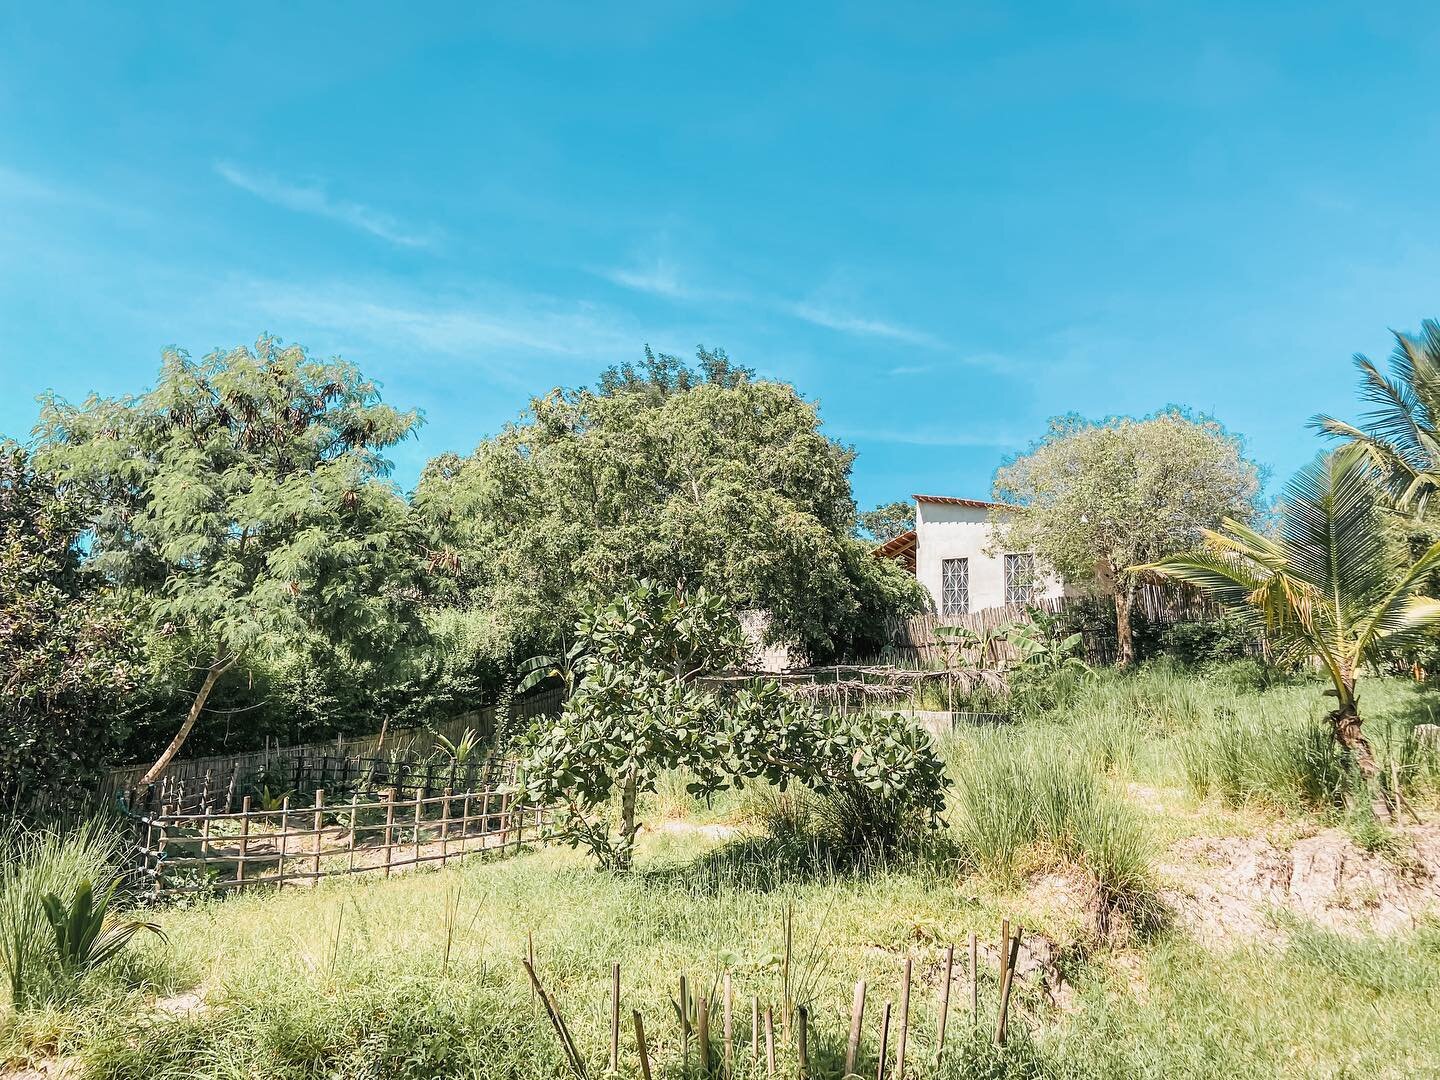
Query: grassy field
[420, 976]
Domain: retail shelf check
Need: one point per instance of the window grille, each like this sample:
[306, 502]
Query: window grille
[954, 586]
[1019, 578]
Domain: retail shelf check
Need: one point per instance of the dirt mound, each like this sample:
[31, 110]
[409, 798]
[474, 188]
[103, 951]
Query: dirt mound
[1223, 887]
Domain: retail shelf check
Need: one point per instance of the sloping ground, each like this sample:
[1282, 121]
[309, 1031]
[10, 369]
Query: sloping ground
[1222, 888]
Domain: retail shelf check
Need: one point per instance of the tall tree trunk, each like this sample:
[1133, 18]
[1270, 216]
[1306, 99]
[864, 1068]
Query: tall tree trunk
[218, 667]
[1124, 632]
[625, 851]
[1345, 722]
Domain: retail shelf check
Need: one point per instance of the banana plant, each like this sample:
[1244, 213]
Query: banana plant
[565, 665]
[85, 935]
[1050, 653]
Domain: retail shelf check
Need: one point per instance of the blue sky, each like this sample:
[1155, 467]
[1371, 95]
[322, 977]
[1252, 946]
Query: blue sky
[944, 222]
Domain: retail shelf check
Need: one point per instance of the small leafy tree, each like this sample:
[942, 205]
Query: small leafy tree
[241, 506]
[1095, 500]
[1326, 587]
[887, 521]
[66, 652]
[638, 710]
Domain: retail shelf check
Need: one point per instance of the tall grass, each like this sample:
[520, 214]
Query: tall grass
[36, 862]
[1023, 801]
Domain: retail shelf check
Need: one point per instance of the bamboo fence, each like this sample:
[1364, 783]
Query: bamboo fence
[293, 845]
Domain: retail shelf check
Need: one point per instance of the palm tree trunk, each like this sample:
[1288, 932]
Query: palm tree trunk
[217, 667]
[1345, 722]
[1124, 631]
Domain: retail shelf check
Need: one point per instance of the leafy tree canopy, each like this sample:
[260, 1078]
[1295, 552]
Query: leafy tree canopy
[64, 650]
[694, 477]
[1101, 497]
[888, 521]
[241, 505]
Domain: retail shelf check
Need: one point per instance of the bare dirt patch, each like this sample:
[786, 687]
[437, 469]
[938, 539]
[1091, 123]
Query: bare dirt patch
[1224, 887]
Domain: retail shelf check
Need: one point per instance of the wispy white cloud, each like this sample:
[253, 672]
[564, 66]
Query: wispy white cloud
[846, 322]
[504, 338]
[314, 199]
[660, 278]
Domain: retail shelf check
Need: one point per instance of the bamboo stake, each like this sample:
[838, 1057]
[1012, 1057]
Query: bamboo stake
[319, 824]
[1004, 947]
[530, 954]
[684, 1023]
[729, 1004]
[565, 1045]
[702, 1031]
[974, 980]
[160, 853]
[565, 1033]
[1011, 957]
[769, 1041]
[755, 1029]
[904, 1035]
[640, 1044]
[944, 1002]
[884, 1042]
[802, 1045]
[857, 1018]
[419, 821]
[615, 1018]
[244, 843]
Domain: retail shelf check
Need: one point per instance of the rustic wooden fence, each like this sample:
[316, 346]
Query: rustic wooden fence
[914, 639]
[390, 758]
[299, 844]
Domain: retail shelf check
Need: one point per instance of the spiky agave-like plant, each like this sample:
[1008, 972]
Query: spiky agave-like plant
[1324, 587]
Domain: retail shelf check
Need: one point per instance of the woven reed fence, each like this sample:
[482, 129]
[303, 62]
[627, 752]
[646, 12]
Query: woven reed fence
[1156, 605]
[301, 842]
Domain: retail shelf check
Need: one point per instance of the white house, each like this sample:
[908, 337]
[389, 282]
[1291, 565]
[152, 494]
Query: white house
[951, 551]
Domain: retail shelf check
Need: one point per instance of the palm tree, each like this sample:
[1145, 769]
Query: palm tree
[1323, 588]
[1401, 435]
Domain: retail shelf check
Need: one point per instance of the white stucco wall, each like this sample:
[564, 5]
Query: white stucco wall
[945, 531]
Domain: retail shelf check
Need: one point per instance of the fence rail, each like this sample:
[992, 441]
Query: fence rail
[190, 852]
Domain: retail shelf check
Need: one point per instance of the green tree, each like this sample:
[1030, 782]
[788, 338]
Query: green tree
[888, 521]
[1400, 434]
[639, 709]
[65, 650]
[1324, 587]
[241, 507]
[692, 477]
[1094, 500]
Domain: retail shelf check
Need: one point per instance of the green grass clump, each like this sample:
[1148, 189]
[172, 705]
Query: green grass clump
[32, 864]
[1023, 802]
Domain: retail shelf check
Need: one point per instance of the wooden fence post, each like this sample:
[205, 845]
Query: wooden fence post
[419, 821]
[284, 843]
[445, 828]
[244, 843]
[389, 826]
[160, 853]
[319, 824]
[354, 834]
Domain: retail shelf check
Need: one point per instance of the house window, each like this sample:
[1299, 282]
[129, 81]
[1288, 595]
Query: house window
[1019, 578]
[954, 586]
